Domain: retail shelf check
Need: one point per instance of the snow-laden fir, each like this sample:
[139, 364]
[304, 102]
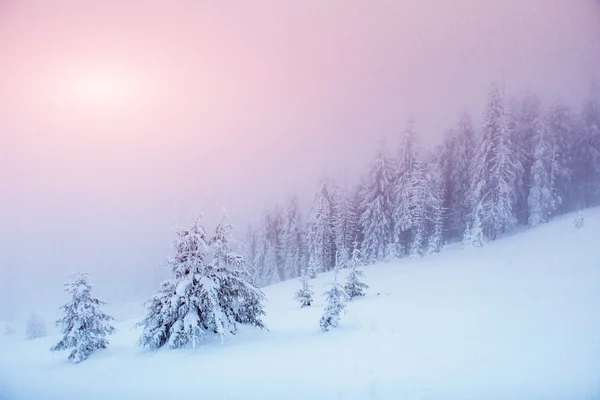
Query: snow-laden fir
[83, 324]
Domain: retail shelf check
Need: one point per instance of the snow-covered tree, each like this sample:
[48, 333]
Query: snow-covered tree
[83, 324]
[320, 232]
[525, 115]
[293, 240]
[221, 247]
[270, 247]
[562, 132]
[376, 209]
[455, 160]
[250, 255]
[335, 304]
[407, 209]
[587, 151]
[35, 328]
[8, 330]
[473, 236]
[354, 286]
[496, 170]
[345, 224]
[542, 200]
[305, 294]
[199, 298]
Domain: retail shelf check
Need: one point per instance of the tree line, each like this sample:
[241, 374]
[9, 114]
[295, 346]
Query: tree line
[526, 163]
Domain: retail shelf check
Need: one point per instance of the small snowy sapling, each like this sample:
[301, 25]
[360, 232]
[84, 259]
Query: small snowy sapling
[305, 295]
[35, 328]
[334, 306]
[354, 287]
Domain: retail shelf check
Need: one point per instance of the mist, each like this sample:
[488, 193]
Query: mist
[235, 105]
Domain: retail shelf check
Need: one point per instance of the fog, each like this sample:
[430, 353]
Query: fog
[234, 104]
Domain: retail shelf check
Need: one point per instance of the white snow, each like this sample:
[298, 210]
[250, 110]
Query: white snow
[516, 319]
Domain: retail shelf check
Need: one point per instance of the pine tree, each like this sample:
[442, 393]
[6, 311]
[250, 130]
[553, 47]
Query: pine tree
[8, 330]
[587, 151]
[495, 171]
[250, 255]
[562, 132]
[200, 298]
[305, 295]
[320, 232]
[344, 223]
[526, 120]
[293, 240]
[83, 324]
[404, 196]
[455, 159]
[474, 236]
[354, 286]
[376, 209]
[542, 200]
[334, 306]
[35, 327]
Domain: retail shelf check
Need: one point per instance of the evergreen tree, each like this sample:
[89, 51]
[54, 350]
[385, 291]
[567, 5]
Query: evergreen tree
[496, 171]
[345, 224]
[293, 240]
[320, 233]
[270, 247]
[562, 132]
[526, 119]
[376, 209]
[407, 194]
[334, 306]
[542, 200]
[455, 164]
[83, 324]
[587, 151]
[354, 286]
[474, 236]
[8, 330]
[250, 255]
[305, 295]
[35, 328]
[200, 298]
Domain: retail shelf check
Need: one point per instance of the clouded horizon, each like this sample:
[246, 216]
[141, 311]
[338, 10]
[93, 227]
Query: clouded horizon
[235, 104]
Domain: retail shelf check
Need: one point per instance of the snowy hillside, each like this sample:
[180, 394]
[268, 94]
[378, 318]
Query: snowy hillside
[517, 319]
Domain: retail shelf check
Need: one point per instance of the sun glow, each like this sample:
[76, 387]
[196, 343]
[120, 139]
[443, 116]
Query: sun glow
[101, 92]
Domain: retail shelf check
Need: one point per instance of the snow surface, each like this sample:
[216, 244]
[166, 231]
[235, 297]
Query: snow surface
[517, 319]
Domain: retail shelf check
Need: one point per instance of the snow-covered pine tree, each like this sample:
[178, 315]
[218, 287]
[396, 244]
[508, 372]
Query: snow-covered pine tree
[83, 324]
[562, 132]
[8, 330]
[587, 152]
[345, 224]
[578, 222]
[376, 209]
[526, 119]
[305, 294]
[221, 247]
[434, 212]
[407, 210]
[354, 287]
[35, 328]
[269, 247]
[250, 255]
[473, 236]
[320, 232]
[293, 239]
[542, 200]
[199, 298]
[335, 304]
[496, 170]
[460, 147]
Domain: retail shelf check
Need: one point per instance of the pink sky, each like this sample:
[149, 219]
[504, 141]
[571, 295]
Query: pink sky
[237, 104]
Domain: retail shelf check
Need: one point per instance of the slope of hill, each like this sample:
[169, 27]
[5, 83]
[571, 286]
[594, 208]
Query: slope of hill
[516, 319]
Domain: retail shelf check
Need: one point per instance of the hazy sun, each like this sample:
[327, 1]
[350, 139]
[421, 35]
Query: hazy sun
[101, 92]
